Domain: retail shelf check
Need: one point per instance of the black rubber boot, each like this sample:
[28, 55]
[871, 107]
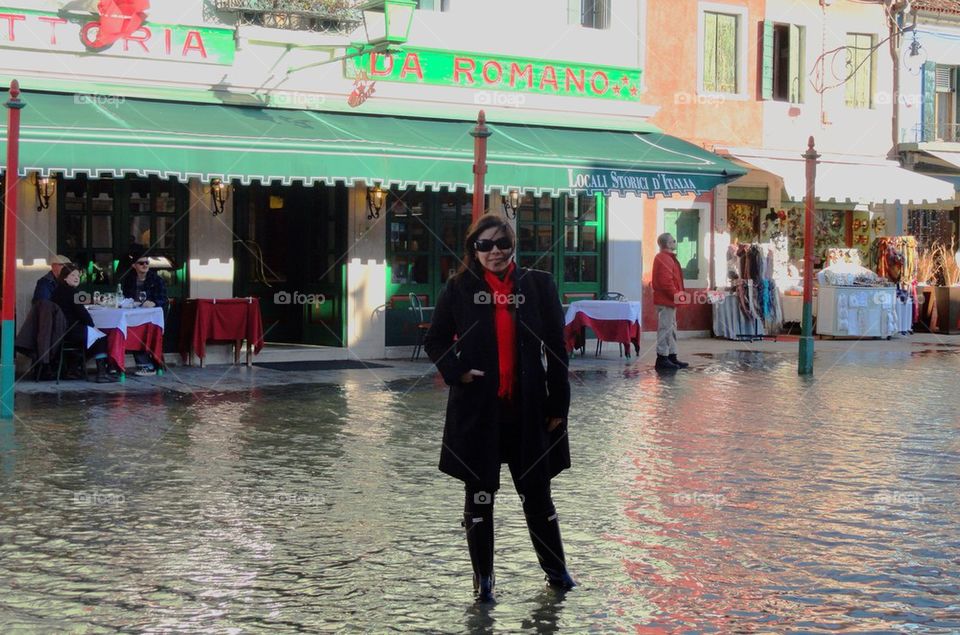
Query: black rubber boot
[102, 376]
[479, 530]
[545, 535]
[664, 363]
[677, 362]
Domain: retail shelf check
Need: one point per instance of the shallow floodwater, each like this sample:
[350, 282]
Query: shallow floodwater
[733, 498]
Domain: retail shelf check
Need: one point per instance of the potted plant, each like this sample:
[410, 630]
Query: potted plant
[946, 298]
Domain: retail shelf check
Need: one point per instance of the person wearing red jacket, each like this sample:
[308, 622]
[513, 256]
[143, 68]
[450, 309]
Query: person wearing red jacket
[668, 292]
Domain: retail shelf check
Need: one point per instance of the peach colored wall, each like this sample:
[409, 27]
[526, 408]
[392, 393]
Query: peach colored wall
[671, 78]
[672, 84]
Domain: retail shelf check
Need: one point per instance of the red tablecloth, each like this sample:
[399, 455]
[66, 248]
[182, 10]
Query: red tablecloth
[146, 337]
[622, 331]
[230, 319]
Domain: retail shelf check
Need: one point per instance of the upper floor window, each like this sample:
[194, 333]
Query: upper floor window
[593, 14]
[433, 5]
[783, 57]
[335, 16]
[721, 52]
[861, 70]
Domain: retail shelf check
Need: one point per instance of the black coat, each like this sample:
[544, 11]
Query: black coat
[471, 439]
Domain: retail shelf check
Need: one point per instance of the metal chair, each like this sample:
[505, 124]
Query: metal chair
[422, 325]
[610, 296]
[66, 347]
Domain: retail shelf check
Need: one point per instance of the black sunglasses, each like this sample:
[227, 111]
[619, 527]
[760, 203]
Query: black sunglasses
[484, 245]
[143, 262]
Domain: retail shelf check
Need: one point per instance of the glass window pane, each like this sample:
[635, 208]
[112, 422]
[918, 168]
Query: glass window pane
[526, 238]
[74, 234]
[573, 238]
[727, 53]
[544, 238]
[101, 270]
[140, 231]
[588, 269]
[166, 236]
[588, 238]
[571, 269]
[165, 203]
[710, 51]
[588, 209]
[102, 231]
[421, 270]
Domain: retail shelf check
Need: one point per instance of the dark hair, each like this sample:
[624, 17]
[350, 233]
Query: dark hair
[66, 270]
[482, 224]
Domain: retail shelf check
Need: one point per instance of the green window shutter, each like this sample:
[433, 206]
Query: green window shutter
[796, 64]
[710, 52]
[766, 74]
[573, 12]
[685, 227]
[928, 121]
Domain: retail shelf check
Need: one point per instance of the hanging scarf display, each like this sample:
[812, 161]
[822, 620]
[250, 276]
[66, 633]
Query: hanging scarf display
[506, 328]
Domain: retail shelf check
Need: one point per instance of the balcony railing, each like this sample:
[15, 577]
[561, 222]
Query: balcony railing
[941, 132]
[338, 16]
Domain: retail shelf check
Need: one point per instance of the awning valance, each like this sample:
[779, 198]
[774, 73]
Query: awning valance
[73, 134]
[849, 178]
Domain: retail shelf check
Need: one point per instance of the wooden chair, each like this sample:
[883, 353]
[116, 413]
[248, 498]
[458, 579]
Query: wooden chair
[422, 324]
[619, 297]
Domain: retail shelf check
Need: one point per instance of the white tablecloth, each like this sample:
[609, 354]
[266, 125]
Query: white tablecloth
[604, 310]
[107, 318]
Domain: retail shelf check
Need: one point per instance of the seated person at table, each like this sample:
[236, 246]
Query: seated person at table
[147, 288]
[46, 284]
[78, 319]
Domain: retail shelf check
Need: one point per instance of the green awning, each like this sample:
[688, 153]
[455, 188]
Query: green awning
[72, 134]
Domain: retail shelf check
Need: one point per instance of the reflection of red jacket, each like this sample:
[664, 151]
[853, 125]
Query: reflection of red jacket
[667, 279]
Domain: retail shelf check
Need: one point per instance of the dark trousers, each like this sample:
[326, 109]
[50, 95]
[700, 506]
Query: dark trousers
[534, 494]
[77, 336]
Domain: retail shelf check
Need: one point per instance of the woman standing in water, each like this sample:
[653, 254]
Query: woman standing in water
[493, 326]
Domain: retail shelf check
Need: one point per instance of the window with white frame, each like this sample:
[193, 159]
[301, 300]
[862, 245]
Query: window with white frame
[593, 14]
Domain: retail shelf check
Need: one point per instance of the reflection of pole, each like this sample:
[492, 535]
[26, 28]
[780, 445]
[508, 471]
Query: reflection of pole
[7, 312]
[805, 366]
[479, 134]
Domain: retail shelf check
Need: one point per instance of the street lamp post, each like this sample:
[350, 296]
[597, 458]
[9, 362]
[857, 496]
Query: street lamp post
[805, 365]
[8, 310]
[480, 134]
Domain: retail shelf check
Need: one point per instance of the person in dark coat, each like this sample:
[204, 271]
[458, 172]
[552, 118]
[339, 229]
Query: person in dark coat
[492, 327]
[43, 290]
[140, 279]
[78, 319]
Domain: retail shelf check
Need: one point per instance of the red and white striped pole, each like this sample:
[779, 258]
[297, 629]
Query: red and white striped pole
[8, 310]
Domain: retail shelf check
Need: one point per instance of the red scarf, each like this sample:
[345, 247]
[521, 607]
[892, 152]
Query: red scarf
[506, 328]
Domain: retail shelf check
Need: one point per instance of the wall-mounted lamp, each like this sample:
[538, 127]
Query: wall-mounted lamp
[219, 192]
[511, 202]
[375, 197]
[388, 21]
[45, 187]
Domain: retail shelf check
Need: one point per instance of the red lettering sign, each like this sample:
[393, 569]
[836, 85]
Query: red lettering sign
[194, 43]
[412, 65]
[11, 20]
[53, 22]
[142, 39]
[606, 82]
[463, 65]
[549, 77]
[387, 64]
[517, 73]
[572, 77]
[490, 64]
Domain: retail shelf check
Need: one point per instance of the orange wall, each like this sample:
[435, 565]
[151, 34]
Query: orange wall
[671, 77]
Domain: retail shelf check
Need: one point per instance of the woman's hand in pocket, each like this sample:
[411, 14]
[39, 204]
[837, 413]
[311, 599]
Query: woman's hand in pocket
[469, 376]
[553, 423]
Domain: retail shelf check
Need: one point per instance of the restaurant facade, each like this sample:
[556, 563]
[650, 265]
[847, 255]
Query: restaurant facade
[270, 154]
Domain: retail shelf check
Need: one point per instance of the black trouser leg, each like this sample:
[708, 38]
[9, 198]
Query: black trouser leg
[478, 525]
[544, 529]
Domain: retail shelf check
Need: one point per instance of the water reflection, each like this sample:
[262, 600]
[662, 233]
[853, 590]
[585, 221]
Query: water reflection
[735, 496]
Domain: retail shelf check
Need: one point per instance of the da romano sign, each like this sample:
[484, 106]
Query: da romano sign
[483, 71]
[46, 31]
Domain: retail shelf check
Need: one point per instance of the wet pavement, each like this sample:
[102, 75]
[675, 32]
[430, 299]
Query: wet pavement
[733, 497]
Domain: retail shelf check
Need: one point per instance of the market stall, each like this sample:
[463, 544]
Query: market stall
[895, 258]
[854, 301]
[751, 307]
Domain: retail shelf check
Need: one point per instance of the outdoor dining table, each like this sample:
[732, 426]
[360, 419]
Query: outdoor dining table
[133, 329]
[610, 320]
[220, 319]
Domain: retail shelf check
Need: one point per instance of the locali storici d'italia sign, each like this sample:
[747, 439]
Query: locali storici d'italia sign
[120, 30]
[643, 182]
[485, 71]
